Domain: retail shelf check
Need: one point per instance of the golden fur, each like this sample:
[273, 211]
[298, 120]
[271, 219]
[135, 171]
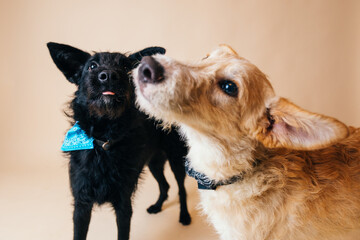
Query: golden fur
[307, 185]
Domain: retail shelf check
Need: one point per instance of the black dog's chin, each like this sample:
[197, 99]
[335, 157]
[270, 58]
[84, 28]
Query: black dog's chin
[111, 107]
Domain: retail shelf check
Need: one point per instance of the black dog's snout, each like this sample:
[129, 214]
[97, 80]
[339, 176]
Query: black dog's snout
[108, 75]
[104, 76]
[150, 70]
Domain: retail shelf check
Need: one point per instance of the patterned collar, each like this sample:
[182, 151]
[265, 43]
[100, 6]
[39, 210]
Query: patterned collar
[204, 182]
[76, 139]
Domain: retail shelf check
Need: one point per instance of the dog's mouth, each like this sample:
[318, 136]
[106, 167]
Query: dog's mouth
[108, 93]
[109, 97]
[109, 104]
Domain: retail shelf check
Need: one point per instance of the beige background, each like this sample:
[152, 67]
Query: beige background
[309, 49]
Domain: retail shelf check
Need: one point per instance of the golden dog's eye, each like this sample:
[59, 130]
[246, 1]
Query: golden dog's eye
[93, 65]
[229, 87]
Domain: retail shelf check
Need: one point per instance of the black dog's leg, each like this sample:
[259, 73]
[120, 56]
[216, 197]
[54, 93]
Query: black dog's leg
[81, 218]
[177, 166]
[156, 167]
[123, 211]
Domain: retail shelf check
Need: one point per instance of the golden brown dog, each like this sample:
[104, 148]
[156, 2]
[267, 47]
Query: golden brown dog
[277, 171]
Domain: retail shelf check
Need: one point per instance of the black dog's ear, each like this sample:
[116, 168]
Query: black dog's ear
[68, 59]
[136, 57]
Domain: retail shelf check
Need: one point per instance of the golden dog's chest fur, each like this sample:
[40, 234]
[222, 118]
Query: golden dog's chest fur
[292, 195]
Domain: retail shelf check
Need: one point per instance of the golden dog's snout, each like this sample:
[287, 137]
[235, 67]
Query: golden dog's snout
[150, 70]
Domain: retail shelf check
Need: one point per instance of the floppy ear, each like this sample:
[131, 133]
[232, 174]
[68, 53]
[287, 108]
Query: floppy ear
[136, 57]
[287, 125]
[69, 60]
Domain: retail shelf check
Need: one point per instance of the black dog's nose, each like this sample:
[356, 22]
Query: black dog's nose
[150, 70]
[103, 76]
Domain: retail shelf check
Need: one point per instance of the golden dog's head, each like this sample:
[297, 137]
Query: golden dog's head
[226, 96]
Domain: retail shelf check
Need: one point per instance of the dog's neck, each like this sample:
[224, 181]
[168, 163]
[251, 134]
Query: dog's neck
[219, 158]
[103, 128]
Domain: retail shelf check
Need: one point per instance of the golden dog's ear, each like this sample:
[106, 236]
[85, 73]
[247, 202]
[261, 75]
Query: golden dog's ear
[287, 125]
[228, 49]
[223, 50]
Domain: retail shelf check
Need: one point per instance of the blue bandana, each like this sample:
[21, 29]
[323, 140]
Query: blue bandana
[76, 139]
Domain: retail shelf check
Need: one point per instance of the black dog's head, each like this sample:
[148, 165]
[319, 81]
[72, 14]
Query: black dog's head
[103, 79]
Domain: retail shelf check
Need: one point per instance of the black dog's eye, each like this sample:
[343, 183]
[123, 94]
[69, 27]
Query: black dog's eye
[93, 65]
[229, 87]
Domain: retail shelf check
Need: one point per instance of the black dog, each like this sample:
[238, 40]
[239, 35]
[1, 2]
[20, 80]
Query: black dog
[124, 139]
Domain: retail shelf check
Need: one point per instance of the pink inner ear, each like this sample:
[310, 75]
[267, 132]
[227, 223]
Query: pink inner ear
[282, 129]
[296, 128]
[288, 134]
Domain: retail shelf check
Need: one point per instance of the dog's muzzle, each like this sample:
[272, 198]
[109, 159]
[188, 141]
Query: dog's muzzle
[150, 71]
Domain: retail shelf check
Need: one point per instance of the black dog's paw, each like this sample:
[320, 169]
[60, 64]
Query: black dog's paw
[185, 219]
[153, 209]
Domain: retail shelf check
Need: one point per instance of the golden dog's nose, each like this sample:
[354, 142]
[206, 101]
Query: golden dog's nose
[150, 70]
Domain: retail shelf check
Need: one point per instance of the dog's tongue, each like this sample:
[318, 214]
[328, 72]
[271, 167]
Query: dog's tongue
[108, 93]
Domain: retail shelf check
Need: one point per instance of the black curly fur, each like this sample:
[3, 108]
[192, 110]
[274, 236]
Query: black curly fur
[98, 176]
